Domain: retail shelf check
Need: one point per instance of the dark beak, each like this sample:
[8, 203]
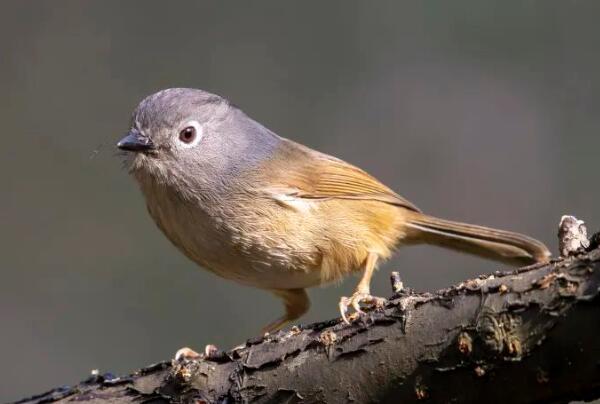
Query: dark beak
[136, 142]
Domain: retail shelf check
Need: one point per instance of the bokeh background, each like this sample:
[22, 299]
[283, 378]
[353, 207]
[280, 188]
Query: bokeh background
[486, 112]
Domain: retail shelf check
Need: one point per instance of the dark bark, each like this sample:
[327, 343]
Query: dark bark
[525, 336]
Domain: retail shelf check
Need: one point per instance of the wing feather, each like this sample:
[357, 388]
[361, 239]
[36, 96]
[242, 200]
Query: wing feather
[313, 175]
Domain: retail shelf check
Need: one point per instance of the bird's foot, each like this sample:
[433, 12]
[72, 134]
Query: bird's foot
[186, 353]
[355, 301]
[275, 326]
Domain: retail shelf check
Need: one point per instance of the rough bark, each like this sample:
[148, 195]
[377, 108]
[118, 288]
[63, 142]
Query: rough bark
[524, 336]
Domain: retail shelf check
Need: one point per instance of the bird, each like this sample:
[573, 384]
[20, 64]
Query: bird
[267, 212]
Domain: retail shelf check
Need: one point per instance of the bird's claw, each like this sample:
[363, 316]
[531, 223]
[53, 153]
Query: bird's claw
[186, 353]
[371, 302]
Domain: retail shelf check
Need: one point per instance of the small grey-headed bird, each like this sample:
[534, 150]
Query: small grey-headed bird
[267, 212]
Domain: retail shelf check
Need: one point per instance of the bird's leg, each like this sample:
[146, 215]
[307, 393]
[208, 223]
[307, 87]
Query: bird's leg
[296, 304]
[362, 293]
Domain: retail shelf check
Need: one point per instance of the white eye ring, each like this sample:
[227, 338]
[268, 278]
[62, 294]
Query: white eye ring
[190, 134]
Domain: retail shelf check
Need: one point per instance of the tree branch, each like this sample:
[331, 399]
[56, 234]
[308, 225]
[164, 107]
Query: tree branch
[523, 336]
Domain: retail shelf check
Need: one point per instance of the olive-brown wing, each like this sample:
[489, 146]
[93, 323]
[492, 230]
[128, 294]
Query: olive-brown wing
[313, 175]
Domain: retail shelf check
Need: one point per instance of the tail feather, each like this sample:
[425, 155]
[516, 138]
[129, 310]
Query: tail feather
[504, 246]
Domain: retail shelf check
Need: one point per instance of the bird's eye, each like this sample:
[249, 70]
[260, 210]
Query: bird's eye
[190, 135]
[187, 134]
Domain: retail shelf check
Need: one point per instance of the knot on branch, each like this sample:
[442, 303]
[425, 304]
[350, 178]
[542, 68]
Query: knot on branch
[499, 333]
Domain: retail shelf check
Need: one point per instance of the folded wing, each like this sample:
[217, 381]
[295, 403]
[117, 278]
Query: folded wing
[313, 175]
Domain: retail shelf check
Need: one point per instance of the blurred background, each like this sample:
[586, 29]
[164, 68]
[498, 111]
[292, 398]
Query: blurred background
[485, 112]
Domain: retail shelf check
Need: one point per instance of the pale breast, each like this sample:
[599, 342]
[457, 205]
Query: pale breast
[274, 241]
[238, 241]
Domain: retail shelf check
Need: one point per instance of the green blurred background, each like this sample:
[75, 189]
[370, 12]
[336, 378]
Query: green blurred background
[485, 112]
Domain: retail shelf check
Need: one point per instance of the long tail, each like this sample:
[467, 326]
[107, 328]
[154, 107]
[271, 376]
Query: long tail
[499, 245]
